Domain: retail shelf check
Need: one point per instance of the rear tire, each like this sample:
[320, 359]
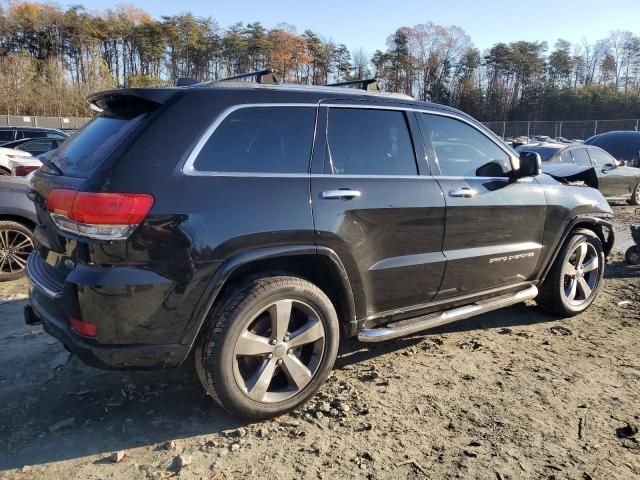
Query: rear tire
[632, 255]
[251, 357]
[635, 195]
[16, 243]
[574, 280]
[4, 172]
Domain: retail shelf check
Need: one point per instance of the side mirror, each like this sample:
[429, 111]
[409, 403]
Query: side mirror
[530, 165]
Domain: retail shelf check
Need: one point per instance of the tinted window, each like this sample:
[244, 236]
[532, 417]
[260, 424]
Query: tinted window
[261, 139]
[600, 157]
[83, 153]
[369, 142]
[38, 147]
[580, 156]
[565, 157]
[55, 135]
[33, 134]
[545, 152]
[6, 135]
[463, 151]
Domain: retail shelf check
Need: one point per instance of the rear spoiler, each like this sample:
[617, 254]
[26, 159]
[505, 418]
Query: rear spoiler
[569, 173]
[130, 99]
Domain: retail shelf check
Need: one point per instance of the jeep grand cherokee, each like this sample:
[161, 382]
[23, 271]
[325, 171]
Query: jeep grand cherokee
[255, 225]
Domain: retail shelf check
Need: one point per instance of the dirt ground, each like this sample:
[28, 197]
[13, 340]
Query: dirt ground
[513, 394]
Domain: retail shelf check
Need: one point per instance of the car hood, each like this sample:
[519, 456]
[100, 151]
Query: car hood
[567, 173]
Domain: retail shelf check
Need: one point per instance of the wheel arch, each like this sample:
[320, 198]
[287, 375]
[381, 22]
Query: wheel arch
[598, 225]
[30, 224]
[319, 265]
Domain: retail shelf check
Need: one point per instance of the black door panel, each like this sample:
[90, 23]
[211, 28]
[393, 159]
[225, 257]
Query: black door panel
[391, 235]
[493, 238]
[390, 232]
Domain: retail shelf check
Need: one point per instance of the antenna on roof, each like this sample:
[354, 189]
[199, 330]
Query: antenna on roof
[262, 76]
[368, 84]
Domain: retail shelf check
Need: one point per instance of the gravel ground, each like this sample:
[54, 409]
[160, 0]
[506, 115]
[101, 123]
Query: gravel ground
[512, 394]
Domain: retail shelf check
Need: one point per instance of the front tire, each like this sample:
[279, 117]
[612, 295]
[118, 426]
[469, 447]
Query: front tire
[268, 346]
[574, 280]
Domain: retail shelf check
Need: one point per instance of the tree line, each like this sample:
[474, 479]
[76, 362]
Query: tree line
[52, 57]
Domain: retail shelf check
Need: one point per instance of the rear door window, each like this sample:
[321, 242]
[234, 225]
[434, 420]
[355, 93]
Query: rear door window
[581, 156]
[364, 141]
[261, 140]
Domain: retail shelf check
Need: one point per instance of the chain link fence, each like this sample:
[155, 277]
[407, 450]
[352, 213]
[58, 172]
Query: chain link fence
[62, 123]
[571, 129]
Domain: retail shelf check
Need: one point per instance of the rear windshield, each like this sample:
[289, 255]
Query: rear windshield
[545, 152]
[83, 153]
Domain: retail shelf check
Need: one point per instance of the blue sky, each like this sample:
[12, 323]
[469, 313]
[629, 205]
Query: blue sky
[367, 23]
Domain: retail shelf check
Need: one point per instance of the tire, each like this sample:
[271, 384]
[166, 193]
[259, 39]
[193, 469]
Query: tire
[4, 172]
[568, 290]
[236, 356]
[635, 195]
[16, 243]
[632, 255]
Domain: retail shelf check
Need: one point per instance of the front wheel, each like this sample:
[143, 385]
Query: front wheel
[268, 346]
[573, 282]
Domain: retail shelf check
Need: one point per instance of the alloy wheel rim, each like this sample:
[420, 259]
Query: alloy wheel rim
[279, 351]
[580, 274]
[15, 248]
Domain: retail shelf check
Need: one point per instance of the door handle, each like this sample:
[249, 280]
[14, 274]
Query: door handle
[604, 171]
[464, 192]
[344, 193]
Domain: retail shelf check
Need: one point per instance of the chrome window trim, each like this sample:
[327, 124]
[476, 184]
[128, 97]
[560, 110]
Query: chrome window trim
[189, 169]
[189, 165]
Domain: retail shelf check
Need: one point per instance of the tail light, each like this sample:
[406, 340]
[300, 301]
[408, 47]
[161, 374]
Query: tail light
[84, 328]
[23, 171]
[104, 216]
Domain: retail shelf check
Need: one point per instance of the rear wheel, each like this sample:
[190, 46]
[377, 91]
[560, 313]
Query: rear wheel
[4, 172]
[268, 346]
[16, 243]
[635, 195]
[573, 282]
[632, 255]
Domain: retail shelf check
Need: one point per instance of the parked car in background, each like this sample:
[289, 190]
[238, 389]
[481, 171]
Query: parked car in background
[7, 155]
[257, 225]
[11, 134]
[17, 220]
[20, 165]
[615, 182]
[624, 146]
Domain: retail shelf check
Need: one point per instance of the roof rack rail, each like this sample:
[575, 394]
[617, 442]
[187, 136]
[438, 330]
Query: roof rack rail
[368, 84]
[262, 76]
[186, 82]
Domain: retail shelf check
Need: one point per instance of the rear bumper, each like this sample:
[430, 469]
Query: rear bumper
[51, 305]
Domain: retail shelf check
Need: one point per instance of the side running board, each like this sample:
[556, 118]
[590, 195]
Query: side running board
[414, 325]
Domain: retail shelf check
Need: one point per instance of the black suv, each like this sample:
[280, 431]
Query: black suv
[254, 225]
